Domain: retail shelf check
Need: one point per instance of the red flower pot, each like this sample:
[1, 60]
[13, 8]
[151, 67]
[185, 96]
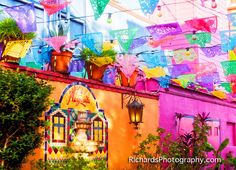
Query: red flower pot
[95, 72]
[60, 61]
[128, 82]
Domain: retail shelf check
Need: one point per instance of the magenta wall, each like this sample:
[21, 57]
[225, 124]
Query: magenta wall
[190, 103]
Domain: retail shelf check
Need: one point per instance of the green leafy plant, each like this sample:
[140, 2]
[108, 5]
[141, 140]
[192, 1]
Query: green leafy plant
[87, 54]
[231, 161]
[217, 152]
[9, 31]
[189, 145]
[71, 163]
[22, 101]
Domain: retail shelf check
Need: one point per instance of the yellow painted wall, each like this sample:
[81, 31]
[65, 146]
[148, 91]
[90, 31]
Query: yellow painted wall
[121, 134]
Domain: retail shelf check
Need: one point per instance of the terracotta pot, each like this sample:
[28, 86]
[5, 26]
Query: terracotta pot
[60, 61]
[129, 82]
[95, 72]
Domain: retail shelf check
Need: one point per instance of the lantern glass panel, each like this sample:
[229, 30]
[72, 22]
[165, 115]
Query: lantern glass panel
[133, 117]
[141, 114]
[137, 111]
[131, 114]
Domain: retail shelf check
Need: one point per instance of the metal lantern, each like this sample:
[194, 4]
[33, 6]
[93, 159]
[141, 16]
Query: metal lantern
[135, 108]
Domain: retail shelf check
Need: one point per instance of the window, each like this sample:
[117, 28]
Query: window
[58, 128]
[76, 28]
[216, 131]
[210, 132]
[214, 128]
[231, 133]
[98, 130]
[185, 125]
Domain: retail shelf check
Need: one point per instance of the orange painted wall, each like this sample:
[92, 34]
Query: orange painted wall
[121, 134]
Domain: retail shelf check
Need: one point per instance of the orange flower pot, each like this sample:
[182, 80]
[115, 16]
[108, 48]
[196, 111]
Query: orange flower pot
[60, 61]
[95, 72]
[128, 82]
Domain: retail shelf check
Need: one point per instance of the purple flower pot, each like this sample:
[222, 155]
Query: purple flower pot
[76, 65]
[109, 75]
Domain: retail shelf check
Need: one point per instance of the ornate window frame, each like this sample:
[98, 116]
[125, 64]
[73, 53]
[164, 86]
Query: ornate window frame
[60, 143]
[103, 130]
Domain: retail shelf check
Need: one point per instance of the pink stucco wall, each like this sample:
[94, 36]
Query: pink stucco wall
[190, 103]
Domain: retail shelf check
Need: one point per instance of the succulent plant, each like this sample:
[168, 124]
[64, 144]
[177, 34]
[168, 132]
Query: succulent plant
[10, 31]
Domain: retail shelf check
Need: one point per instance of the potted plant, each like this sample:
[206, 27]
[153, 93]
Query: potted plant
[77, 64]
[110, 75]
[60, 60]
[15, 42]
[97, 64]
[128, 69]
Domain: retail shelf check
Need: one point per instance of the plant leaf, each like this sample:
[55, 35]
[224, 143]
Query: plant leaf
[209, 147]
[223, 145]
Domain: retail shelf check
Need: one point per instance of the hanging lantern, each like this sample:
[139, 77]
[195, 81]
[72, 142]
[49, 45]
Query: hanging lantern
[109, 20]
[135, 109]
[194, 37]
[159, 13]
[150, 40]
[187, 52]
